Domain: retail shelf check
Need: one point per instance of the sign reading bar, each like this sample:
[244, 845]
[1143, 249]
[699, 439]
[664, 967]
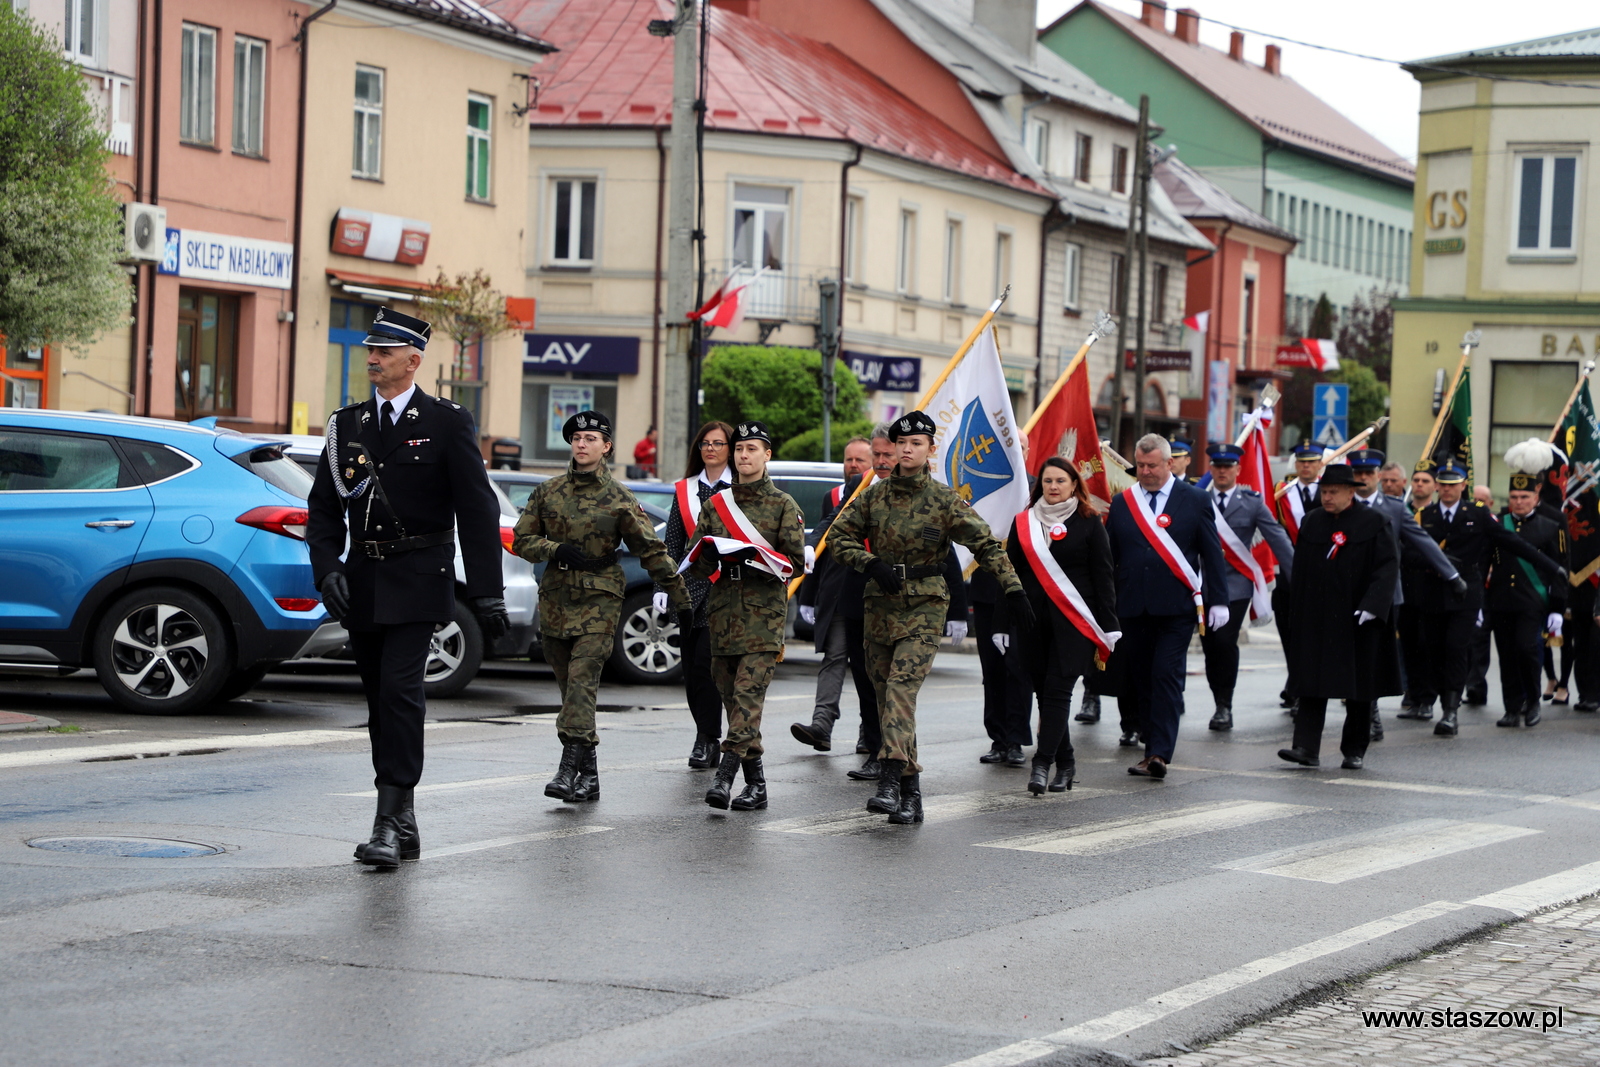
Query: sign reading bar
[1160, 359]
[220, 257]
[554, 353]
[895, 373]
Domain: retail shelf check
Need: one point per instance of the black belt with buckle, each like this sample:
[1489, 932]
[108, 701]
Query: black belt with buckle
[593, 563]
[905, 572]
[382, 549]
[736, 572]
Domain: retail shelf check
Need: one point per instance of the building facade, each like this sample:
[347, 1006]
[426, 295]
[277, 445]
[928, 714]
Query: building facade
[1509, 243]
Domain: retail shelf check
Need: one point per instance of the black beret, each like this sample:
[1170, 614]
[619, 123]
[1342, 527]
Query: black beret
[912, 422]
[586, 420]
[752, 430]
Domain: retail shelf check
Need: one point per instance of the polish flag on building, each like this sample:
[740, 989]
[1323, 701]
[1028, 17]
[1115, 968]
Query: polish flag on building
[725, 307]
[1199, 322]
[1320, 356]
[1064, 426]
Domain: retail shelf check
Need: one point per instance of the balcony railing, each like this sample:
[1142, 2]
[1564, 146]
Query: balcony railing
[776, 296]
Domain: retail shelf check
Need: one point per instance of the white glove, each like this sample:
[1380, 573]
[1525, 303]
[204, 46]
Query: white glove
[1552, 625]
[1216, 617]
[1364, 617]
[1112, 637]
[808, 612]
[956, 632]
[659, 602]
[1002, 642]
[811, 559]
[1479, 623]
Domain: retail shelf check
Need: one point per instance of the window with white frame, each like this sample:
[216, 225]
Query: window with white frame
[1039, 142]
[1072, 276]
[854, 213]
[952, 261]
[572, 220]
[1002, 261]
[905, 275]
[368, 159]
[249, 94]
[80, 36]
[197, 85]
[479, 146]
[1546, 201]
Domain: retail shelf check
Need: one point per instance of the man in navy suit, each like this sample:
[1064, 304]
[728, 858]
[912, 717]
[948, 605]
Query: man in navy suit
[1169, 563]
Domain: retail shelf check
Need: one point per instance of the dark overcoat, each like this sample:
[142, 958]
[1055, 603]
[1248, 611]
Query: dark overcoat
[1330, 656]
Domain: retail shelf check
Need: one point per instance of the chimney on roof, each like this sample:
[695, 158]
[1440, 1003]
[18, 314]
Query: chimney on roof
[748, 8]
[1013, 21]
[1188, 29]
[1153, 13]
[1236, 46]
[1273, 64]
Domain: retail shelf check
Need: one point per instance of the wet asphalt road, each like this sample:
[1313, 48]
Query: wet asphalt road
[647, 928]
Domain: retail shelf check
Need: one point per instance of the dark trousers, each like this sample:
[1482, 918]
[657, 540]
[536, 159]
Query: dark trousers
[1412, 653]
[391, 661]
[856, 655]
[1055, 701]
[1313, 713]
[1156, 645]
[1007, 690]
[1447, 638]
[1517, 638]
[1478, 657]
[705, 703]
[1222, 652]
[1280, 614]
[1581, 634]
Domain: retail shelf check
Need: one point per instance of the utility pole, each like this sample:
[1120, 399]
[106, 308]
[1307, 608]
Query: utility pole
[676, 403]
[828, 344]
[1120, 370]
[1143, 165]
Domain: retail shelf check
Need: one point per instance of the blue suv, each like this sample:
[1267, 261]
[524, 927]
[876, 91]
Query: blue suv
[169, 557]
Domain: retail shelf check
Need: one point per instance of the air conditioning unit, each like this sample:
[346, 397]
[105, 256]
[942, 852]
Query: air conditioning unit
[144, 232]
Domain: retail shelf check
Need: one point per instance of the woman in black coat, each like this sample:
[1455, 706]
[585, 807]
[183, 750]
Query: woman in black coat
[1057, 652]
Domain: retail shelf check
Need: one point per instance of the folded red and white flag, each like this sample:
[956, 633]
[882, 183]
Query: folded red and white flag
[743, 537]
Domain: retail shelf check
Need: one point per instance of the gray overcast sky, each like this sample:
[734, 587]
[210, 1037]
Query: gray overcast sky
[1379, 96]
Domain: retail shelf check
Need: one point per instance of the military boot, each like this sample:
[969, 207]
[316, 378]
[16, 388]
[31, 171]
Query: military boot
[587, 785]
[1089, 711]
[910, 809]
[754, 796]
[867, 772]
[722, 786]
[1530, 713]
[384, 849]
[560, 787]
[887, 799]
[410, 839]
[1448, 704]
[1222, 719]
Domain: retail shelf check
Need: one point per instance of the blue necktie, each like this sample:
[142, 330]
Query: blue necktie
[1153, 494]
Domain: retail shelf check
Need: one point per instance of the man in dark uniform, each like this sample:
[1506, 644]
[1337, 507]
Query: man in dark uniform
[402, 475]
[1522, 607]
[1468, 533]
[1182, 456]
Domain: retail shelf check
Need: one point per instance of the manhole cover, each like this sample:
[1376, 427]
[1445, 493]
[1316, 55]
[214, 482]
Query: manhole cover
[142, 847]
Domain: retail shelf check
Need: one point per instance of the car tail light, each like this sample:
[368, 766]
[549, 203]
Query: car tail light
[278, 519]
[297, 603]
[508, 534]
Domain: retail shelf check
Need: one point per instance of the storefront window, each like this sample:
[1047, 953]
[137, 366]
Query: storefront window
[208, 337]
[347, 357]
[548, 403]
[1526, 402]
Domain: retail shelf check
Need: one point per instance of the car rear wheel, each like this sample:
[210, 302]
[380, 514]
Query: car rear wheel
[647, 651]
[454, 655]
[162, 651]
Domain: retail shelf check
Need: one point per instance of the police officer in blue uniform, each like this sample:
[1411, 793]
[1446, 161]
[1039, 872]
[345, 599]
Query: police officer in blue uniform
[402, 476]
[1182, 455]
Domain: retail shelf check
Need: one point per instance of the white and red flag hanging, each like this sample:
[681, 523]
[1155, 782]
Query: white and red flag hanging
[726, 306]
[1321, 356]
[1199, 322]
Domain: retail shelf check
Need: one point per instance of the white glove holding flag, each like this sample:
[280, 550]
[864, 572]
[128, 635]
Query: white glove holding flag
[1552, 625]
[1364, 617]
[956, 632]
[1112, 637]
[808, 612]
[811, 559]
[1217, 617]
[659, 603]
[1002, 642]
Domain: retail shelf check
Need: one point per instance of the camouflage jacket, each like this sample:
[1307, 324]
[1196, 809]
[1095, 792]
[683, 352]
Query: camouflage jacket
[590, 511]
[747, 614]
[911, 521]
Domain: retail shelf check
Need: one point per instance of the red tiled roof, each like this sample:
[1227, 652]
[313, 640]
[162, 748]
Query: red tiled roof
[1276, 104]
[610, 72]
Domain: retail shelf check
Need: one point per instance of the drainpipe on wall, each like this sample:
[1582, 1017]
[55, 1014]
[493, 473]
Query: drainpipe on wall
[143, 284]
[657, 416]
[299, 204]
[1038, 333]
[155, 199]
[844, 244]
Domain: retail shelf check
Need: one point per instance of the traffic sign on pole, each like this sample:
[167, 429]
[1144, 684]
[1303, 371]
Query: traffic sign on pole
[1330, 414]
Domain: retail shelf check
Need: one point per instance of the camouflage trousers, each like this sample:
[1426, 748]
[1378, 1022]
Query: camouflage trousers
[577, 662]
[742, 681]
[897, 672]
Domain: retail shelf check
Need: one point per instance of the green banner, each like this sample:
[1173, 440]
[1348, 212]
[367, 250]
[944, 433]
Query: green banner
[1454, 445]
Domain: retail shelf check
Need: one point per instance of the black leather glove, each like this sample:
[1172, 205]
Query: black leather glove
[1458, 585]
[880, 572]
[492, 617]
[572, 556]
[335, 595]
[709, 553]
[1021, 612]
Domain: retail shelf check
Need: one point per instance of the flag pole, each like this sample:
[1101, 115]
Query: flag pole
[1555, 431]
[1468, 343]
[1102, 326]
[966, 346]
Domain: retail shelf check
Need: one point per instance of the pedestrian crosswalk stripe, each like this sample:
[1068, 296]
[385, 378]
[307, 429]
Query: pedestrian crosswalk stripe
[517, 779]
[516, 839]
[1119, 834]
[1342, 859]
[934, 809]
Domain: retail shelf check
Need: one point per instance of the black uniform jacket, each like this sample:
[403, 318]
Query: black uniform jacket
[1470, 540]
[1510, 588]
[1085, 557]
[1331, 656]
[433, 477]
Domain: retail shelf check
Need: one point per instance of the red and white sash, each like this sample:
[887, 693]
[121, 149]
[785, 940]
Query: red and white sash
[688, 509]
[1155, 532]
[1058, 587]
[835, 495]
[1244, 561]
[743, 535]
[1294, 510]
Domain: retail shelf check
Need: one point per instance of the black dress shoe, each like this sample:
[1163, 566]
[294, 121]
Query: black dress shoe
[1090, 711]
[1223, 719]
[1476, 697]
[586, 786]
[1038, 778]
[1510, 718]
[560, 787]
[704, 753]
[1064, 774]
[1285, 701]
[1531, 715]
[1296, 755]
[867, 772]
[410, 840]
[1353, 763]
[996, 754]
[817, 734]
[1129, 739]
[1015, 758]
[886, 801]
[1447, 725]
[1587, 706]
[910, 809]
[754, 796]
[721, 790]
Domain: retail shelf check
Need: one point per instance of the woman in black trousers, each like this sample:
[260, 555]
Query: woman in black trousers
[1061, 524]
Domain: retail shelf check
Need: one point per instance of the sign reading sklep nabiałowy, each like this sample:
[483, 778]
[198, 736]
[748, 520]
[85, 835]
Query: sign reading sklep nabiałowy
[221, 257]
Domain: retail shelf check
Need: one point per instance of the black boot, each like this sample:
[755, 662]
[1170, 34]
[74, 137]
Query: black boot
[1376, 732]
[1090, 711]
[754, 796]
[1066, 770]
[887, 799]
[1446, 726]
[862, 748]
[819, 735]
[560, 787]
[722, 786]
[1039, 776]
[910, 809]
[867, 772]
[384, 849]
[1421, 710]
[410, 839]
[1223, 718]
[1530, 713]
[587, 785]
[704, 753]
[1512, 718]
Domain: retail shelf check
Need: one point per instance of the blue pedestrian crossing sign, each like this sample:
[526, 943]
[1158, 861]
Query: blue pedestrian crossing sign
[1330, 414]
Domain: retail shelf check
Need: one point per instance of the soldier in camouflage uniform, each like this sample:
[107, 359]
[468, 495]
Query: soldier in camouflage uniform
[909, 520]
[747, 605]
[574, 522]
